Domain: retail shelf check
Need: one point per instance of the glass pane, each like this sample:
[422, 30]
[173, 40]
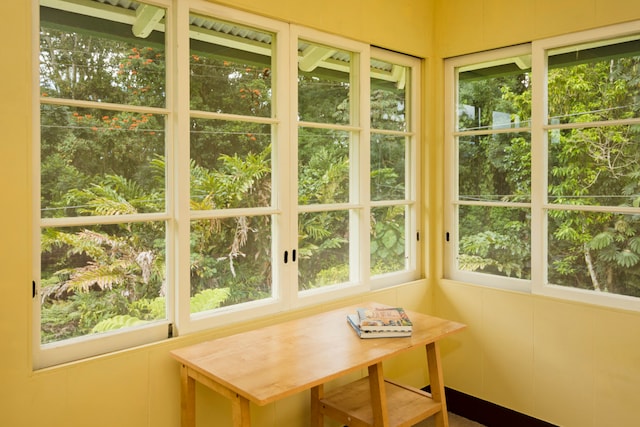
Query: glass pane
[495, 240]
[494, 98]
[323, 84]
[101, 278]
[323, 249]
[230, 68]
[595, 251]
[230, 164]
[101, 162]
[388, 166]
[323, 171]
[587, 83]
[595, 166]
[230, 261]
[106, 65]
[388, 249]
[389, 83]
[495, 167]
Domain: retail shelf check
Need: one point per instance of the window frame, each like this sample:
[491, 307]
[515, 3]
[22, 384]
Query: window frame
[413, 248]
[59, 352]
[284, 208]
[538, 284]
[451, 200]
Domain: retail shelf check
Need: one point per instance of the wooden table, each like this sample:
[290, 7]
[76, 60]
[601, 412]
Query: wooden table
[270, 363]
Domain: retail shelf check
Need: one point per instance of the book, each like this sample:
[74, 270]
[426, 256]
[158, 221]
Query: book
[354, 321]
[384, 319]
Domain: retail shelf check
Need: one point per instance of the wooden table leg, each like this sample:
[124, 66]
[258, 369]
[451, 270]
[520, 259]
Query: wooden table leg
[378, 396]
[240, 411]
[317, 417]
[437, 383]
[187, 398]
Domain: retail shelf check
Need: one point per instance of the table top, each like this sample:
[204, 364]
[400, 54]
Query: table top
[273, 362]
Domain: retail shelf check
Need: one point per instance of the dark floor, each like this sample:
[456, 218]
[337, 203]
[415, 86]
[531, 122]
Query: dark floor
[454, 421]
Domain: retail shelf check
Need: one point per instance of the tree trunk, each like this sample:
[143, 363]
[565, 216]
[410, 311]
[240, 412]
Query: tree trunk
[592, 271]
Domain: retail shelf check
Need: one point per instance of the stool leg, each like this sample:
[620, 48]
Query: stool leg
[317, 417]
[187, 398]
[240, 411]
[437, 383]
[378, 396]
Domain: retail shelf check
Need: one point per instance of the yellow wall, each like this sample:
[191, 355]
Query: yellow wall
[570, 364]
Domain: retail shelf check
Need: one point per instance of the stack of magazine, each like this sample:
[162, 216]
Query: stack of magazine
[381, 322]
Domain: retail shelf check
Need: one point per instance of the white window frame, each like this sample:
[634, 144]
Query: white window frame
[284, 208]
[82, 347]
[451, 202]
[540, 284]
[412, 173]
[539, 205]
[187, 322]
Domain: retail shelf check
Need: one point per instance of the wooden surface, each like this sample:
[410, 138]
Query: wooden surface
[405, 406]
[267, 364]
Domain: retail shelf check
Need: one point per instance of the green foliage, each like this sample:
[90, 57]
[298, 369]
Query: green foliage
[116, 322]
[592, 166]
[209, 299]
[110, 163]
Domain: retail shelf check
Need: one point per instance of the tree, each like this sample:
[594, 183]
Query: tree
[593, 165]
[495, 167]
[110, 162]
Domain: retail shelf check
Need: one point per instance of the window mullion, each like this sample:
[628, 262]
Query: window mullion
[181, 162]
[539, 168]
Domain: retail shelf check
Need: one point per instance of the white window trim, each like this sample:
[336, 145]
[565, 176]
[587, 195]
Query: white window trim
[470, 62]
[284, 208]
[413, 174]
[187, 322]
[538, 284]
[82, 347]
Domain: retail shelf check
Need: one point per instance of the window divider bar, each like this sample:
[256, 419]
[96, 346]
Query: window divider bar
[103, 105]
[491, 131]
[335, 126]
[198, 114]
[599, 123]
[102, 219]
[230, 213]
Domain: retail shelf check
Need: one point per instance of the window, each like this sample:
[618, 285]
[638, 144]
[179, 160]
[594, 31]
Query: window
[199, 166]
[104, 210]
[393, 167]
[492, 185]
[544, 193]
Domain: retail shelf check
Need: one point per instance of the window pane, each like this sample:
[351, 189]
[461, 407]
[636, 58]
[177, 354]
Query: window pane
[587, 83]
[323, 84]
[230, 261]
[388, 165]
[100, 278]
[230, 68]
[495, 167]
[323, 171]
[231, 164]
[495, 240]
[388, 248]
[100, 162]
[94, 59]
[494, 98]
[323, 249]
[388, 95]
[595, 251]
[595, 166]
